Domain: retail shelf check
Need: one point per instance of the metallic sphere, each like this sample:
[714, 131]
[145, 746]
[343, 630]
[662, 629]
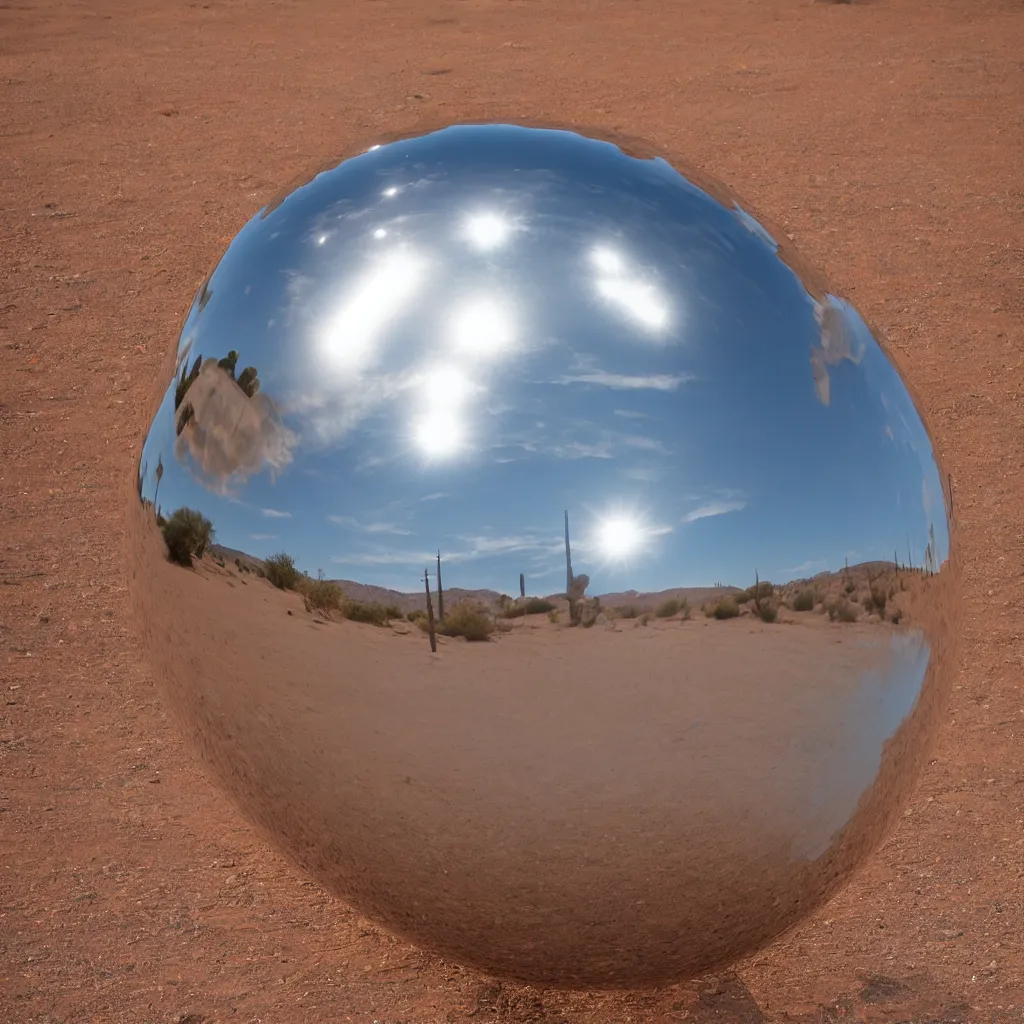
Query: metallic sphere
[542, 559]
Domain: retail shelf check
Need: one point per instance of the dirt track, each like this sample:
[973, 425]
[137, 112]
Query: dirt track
[886, 138]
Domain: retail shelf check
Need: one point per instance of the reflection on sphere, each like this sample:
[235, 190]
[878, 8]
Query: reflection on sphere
[543, 559]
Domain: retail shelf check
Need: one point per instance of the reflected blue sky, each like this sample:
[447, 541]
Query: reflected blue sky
[467, 333]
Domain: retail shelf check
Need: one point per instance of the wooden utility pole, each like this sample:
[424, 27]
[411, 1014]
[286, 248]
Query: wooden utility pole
[440, 591]
[568, 557]
[430, 612]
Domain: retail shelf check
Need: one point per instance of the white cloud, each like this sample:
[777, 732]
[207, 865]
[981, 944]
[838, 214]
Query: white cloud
[715, 508]
[273, 513]
[627, 382]
[355, 524]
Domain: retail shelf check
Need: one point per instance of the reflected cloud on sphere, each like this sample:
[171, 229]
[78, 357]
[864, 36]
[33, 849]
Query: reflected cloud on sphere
[540, 561]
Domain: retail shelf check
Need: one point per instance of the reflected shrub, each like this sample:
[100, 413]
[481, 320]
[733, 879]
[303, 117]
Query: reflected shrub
[531, 606]
[280, 570]
[187, 534]
[369, 612]
[468, 620]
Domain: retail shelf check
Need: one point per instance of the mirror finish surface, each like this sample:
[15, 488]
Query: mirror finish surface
[541, 559]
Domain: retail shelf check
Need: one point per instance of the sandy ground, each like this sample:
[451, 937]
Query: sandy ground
[885, 138]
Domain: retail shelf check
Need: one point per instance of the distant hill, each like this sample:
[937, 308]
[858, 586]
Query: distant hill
[409, 601]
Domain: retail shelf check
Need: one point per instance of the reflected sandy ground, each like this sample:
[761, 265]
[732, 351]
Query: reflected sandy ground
[564, 763]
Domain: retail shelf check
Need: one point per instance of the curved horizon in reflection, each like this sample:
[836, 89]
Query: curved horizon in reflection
[536, 340]
[518, 386]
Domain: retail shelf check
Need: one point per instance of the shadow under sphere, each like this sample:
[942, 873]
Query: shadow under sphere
[541, 559]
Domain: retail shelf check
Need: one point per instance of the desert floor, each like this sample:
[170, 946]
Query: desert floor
[886, 138]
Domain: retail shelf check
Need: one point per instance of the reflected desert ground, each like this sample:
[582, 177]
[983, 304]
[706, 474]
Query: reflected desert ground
[731, 757]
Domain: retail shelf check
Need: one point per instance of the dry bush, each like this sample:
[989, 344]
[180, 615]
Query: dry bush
[322, 595]
[469, 620]
[531, 606]
[804, 601]
[187, 533]
[668, 608]
[367, 611]
[280, 570]
[726, 608]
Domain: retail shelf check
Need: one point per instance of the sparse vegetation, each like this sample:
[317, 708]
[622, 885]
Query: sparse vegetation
[280, 570]
[529, 606]
[366, 611]
[626, 611]
[766, 612]
[553, 616]
[842, 611]
[804, 601]
[187, 534]
[726, 608]
[322, 595]
[469, 620]
[668, 608]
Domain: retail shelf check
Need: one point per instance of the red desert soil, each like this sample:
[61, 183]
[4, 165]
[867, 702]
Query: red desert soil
[886, 138]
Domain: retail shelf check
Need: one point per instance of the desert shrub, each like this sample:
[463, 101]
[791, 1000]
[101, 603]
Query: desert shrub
[366, 611]
[531, 606]
[627, 611]
[322, 595]
[280, 570]
[766, 611]
[645, 618]
[879, 597]
[727, 608]
[416, 613]
[868, 605]
[849, 588]
[804, 601]
[553, 616]
[392, 611]
[742, 597]
[842, 611]
[761, 589]
[667, 608]
[469, 620]
[685, 611]
[187, 533]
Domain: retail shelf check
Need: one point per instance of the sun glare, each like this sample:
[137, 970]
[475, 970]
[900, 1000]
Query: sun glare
[619, 537]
